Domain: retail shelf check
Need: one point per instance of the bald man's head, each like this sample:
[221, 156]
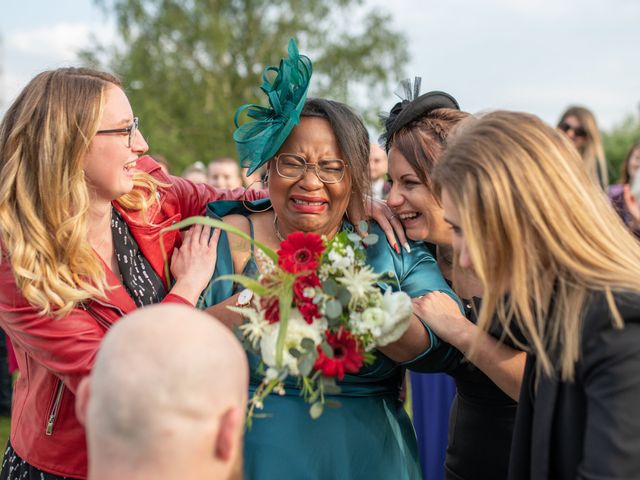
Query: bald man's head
[168, 387]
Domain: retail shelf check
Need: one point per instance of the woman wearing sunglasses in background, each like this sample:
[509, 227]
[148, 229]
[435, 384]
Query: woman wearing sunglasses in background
[579, 124]
[80, 216]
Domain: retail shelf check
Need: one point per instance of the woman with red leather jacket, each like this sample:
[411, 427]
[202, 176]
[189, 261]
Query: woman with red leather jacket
[80, 219]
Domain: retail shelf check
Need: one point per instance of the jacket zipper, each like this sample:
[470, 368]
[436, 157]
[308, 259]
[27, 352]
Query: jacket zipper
[99, 317]
[55, 408]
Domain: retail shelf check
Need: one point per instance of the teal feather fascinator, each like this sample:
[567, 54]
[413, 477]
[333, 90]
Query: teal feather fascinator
[258, 139]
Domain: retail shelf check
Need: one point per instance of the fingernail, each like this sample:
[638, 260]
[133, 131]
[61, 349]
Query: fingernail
[407, 247]
[396, 248]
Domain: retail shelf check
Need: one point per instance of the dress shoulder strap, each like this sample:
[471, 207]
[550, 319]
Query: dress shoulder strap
[253, 247]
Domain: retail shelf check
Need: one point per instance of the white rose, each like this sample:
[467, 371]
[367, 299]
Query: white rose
[397, 315]
[297, 330]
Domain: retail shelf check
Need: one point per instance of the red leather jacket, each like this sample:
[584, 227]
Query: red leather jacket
[54, 355]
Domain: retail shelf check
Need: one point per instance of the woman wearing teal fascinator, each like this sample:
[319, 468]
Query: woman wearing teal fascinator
[316, 152]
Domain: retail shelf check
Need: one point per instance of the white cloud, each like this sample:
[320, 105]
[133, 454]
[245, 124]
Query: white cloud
[28, 52]
[57, 41]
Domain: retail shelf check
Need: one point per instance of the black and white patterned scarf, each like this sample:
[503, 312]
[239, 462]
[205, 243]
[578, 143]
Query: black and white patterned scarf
[139, 279]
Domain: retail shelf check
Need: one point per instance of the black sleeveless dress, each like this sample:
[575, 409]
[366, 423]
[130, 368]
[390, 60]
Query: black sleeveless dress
[480, 424]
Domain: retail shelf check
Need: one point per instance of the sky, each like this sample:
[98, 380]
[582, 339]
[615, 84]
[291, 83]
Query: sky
[533, 55]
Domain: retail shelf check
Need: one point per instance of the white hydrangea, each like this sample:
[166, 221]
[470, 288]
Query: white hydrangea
[297, 330]
[397, 315]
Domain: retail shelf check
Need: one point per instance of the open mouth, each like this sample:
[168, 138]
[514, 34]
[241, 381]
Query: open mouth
[408, 216]
[312, 205]
[130, 166]
[304, 202]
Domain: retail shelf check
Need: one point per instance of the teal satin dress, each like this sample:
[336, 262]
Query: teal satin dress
[370, 435]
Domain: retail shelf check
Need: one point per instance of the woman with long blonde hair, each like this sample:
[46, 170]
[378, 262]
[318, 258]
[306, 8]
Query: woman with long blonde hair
[557, 266]
[80, 219]
[580, 126]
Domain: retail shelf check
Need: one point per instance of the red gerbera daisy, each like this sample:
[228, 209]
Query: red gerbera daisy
[300, 252]
[346, 355]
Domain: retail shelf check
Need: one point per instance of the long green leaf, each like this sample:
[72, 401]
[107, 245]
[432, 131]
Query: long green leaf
[247, 282]
[211, 222]
[285, 310]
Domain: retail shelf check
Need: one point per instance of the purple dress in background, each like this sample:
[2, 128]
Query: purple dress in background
[431, 397]
[616, 196]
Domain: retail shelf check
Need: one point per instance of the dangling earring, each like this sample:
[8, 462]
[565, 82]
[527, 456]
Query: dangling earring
[264, 183]
[253, 210]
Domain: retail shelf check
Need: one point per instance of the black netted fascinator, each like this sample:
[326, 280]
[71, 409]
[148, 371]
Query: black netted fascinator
[411, 107]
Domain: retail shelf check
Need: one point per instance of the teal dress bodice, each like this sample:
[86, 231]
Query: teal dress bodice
[370, 435]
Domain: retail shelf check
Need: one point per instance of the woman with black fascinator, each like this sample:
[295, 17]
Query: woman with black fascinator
[488, 378]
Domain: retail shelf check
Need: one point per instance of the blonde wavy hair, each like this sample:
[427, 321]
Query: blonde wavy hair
[541, 235]
[592, 151]
[44, 198]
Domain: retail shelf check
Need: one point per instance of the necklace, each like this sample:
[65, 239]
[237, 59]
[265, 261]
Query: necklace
[275, 226]
[107, 234]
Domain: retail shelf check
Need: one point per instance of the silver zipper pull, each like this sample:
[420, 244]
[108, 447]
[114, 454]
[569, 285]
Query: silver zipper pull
[49, 430]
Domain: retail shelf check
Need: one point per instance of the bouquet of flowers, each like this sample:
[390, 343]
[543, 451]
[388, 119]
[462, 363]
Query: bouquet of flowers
[318, 313]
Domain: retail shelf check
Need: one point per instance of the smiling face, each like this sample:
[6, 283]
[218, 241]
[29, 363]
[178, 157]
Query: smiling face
[307, 204]
[414, 204]
[109, 165]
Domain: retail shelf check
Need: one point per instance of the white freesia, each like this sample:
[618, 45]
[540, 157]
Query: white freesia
[297, 330]
[397, 315]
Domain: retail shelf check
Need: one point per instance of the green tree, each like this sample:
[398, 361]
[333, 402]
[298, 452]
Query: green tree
[617, 143]
[189, 64]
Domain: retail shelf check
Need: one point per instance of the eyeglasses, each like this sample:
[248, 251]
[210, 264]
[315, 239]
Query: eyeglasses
[130, 130]
[328, 170]
[578, 132]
